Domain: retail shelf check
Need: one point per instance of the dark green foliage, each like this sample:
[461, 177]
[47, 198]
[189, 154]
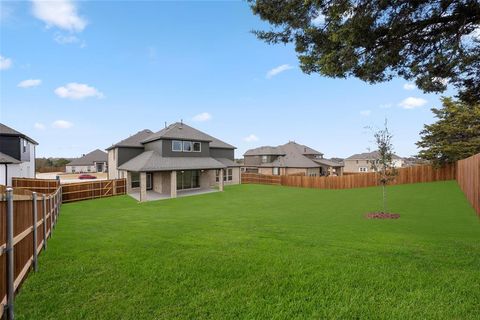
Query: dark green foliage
[375, 40]
[262, 252]
[455, 135]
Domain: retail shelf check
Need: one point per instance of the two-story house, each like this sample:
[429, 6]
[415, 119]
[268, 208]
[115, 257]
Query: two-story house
[176, 160]
[289, 159]
[17, 155]
[362, 162]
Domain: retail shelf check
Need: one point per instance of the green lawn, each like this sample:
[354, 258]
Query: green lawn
[256, 252]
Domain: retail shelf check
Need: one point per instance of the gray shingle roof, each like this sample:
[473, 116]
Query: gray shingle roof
[329, 163]
[368, 156]
[227, 162]
[6, 159]
[282, 150]
[182, 131]
[88, 159]
[153, 161]
[7, 131]
[291, 155]
[265, 151]
[133, 141]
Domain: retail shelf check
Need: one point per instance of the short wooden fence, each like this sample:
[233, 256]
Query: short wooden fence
[468, 178]
[74, 191]
[27, 220]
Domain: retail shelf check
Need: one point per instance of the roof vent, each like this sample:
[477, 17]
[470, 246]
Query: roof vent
[181, 124]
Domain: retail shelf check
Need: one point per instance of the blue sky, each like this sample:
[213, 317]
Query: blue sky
[77, 76]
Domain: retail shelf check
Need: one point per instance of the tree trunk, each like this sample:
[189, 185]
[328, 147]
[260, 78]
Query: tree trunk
[384, 198]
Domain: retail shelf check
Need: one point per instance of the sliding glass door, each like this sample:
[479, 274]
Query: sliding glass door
[188, 179]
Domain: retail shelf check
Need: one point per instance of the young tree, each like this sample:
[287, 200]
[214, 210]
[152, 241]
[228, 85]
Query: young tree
[384, 165]
[430, 42]
[455, 135]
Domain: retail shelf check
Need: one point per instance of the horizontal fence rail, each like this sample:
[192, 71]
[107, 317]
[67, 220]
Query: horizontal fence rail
[27, 220]
[416, 174]
[74, 191]
[468, 178]
[38, 185]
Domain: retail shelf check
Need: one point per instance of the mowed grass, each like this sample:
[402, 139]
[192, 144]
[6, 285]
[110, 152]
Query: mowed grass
[262, 252]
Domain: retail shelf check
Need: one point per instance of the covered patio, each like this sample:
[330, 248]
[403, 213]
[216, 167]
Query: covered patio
[153, 196]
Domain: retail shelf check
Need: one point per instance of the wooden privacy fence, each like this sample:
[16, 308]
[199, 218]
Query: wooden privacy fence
[27, 220]
[75, 191]
[414, 174]
[468, 178]
[37, 185]
[93, 189]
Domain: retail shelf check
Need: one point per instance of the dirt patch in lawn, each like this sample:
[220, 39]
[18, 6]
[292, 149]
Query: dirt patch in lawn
[382, 215]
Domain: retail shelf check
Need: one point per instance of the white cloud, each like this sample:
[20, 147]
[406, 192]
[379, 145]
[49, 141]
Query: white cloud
[386, 106]
[365, 113]
[251, 138]
[5, 63]
[59, 13]
[77, 91]
[409, 86]
[277, 70]
[29, 83]
[412, 103]
[69, 39]
[62, 124]
[204, 116]
[39, 126]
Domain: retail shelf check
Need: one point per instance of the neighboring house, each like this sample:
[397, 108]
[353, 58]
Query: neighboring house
[17, 155]
[175, 159]
[289, 159]
[95, 161]
[362, 162]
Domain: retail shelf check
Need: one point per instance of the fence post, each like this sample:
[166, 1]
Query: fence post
[51, 214]
[10, 257]
[35, 253]
[44, 222]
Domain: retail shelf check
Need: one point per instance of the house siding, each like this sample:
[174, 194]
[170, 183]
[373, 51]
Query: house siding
[10, 146]
[222, 153]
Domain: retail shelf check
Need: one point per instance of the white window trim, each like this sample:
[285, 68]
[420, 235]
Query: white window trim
[181, 144]
[193, 148]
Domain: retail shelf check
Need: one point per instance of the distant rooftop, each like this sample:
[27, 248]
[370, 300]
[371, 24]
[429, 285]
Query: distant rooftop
[89, 159]
[368, 156]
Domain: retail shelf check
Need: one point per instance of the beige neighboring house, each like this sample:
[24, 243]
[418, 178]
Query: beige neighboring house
[289, 159]
[362, 162]
[95, 161]
[177, 160]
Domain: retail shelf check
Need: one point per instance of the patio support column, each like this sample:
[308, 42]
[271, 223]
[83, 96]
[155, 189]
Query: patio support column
[143, 186]
[129, 182]
[220, 180]
[173, 184]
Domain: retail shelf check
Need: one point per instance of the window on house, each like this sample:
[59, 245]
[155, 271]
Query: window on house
[217, 175]
[24, 145]
[73, 169]
[276, 171]
[357, 161]
[176, 145]
[264, 159]
[197, 147]
[362, 169]
[135, 176]
[187, 146]
[229, 174]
